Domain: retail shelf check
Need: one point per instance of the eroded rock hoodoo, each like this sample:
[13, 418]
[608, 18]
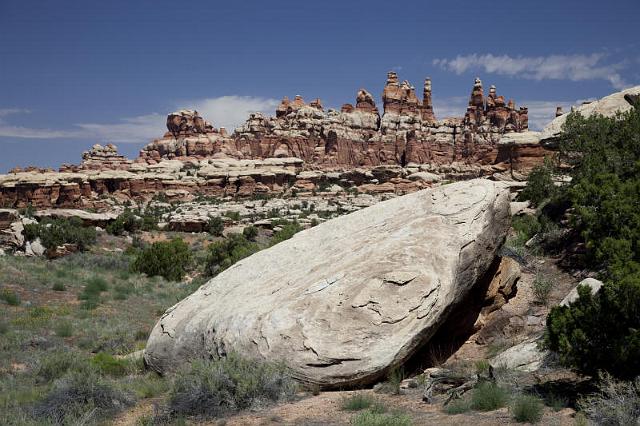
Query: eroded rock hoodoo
[345, 301]
[407, 132]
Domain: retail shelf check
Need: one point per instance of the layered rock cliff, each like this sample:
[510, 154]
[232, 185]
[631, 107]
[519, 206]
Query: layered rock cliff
[407, 132]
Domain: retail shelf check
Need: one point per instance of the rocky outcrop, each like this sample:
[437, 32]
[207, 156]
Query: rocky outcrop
[344, 302]
[187, 122]
[355, 136]
[608, 106]
[100, 158]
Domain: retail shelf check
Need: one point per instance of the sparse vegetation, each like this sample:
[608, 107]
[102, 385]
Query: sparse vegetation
[527, 409]
[488, 396]
[81, 398]
[374, 418]
[358, 401]
[457, 406]
[615, 403]
[208, 389]
[542, 287]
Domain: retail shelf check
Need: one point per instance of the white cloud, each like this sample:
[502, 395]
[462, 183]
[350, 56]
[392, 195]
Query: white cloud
[9, 130]
[231, 111]
[8, 111]
[138, 129]
[224, 111]
[450, 107]
[554, 67]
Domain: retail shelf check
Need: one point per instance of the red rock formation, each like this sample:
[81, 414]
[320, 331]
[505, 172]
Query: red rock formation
[428, 117]
[187, 123]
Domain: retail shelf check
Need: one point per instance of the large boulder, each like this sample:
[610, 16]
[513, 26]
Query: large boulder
[345, 301]
[608, 106]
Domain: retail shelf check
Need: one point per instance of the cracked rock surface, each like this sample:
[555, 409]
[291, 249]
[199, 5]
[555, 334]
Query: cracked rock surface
[343, 302]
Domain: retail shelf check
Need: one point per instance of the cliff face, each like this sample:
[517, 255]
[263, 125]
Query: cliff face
[407, 132]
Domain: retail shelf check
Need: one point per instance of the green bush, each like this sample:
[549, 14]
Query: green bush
[235, 216]
[133, 221]
[250, 233]
[604, 191]
[109, 365]
[373, 418]
[488, 396]
[91, 292]
[223, 254]
[10, 297]
[58, 286]
[213, 388]
[169, 259]
[540, 185]
[63, 328]
[457, 406]
[357, 402]
[527, 409]
[288, 230]
[215, 226]
[56, 232]
[127, 221]
[601, 331]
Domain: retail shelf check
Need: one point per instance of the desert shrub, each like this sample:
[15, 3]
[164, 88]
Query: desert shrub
[235, 216]
[223, 254]
[215, 226]
[357, 402]
[150, 385]
[131, 221]
[488, 396]
[91, 292]
[10, 297]
[540, 185]
[168, 259]
[373, 418]
[58, 286]
[250, 233]
[457, 406]
[127, 221]
[289, 229]
[81, 396]
[601, 331]
[615, 403]
[542, 287]
[527, 409]
[55, 364]
[63, 328]
[212, 388]
[109, 365]
[56, 232]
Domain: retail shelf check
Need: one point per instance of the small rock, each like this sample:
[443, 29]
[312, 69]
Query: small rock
[592, 283]
[524, 357]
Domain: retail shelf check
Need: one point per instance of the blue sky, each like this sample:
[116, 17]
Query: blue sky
[75, 73]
